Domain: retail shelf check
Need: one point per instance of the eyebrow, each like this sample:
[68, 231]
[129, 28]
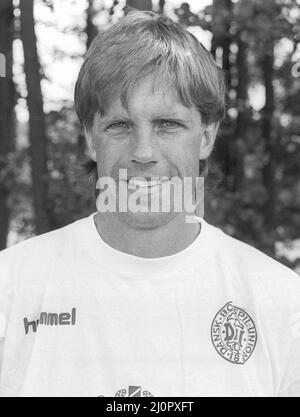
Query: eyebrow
[156, 116]
[109, 119]
[174, 115]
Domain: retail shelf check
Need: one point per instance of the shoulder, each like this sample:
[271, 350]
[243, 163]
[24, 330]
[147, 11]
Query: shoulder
[244, 255]
[40, 251]
[27, 267]
[257, 270]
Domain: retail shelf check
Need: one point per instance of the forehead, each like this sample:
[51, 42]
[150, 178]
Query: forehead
[150, 97]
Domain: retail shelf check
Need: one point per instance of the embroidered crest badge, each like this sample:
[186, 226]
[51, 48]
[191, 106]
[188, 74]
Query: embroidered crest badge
[233, 334]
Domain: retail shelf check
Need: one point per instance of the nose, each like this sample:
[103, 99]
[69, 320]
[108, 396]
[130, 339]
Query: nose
[143, 147]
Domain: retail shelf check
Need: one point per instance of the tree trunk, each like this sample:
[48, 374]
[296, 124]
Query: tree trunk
[37, 125]
[91, 30]
[139, 4]
[268, 136]
[162, 6]
[222, 11]
[221, 23]
[6, 112]
[237, 153]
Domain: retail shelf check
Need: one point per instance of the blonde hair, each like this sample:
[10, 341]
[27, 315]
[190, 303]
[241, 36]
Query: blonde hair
[142, 43]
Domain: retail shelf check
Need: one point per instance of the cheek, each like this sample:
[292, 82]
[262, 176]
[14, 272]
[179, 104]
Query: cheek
[184, 155]
[109, 156]
[193, 155]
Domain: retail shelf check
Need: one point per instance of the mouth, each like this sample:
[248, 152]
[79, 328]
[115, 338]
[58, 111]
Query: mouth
[146, 183]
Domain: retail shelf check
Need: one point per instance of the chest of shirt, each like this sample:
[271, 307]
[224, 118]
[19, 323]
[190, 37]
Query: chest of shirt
[167, 337]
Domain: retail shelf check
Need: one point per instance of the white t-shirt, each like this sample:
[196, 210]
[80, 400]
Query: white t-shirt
[79, 318]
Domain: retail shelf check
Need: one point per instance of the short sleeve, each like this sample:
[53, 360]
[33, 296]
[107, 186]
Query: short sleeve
[290, 386]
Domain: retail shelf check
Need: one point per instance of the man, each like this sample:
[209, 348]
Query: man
[136, 301]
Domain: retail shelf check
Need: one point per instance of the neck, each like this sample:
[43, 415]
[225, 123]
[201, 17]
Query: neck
[165, 240]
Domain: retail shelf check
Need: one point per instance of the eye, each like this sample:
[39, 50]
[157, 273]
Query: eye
[169, 124]
[117, 126]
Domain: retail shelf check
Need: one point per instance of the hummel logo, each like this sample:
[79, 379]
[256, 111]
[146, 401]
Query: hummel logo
[51, 319]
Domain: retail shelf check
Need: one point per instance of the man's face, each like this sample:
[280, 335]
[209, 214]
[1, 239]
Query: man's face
[156, 137]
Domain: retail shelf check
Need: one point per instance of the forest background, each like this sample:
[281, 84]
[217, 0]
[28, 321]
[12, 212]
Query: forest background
[253, 183]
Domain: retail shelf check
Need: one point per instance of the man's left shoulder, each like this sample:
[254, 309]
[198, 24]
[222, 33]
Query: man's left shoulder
[255, 264]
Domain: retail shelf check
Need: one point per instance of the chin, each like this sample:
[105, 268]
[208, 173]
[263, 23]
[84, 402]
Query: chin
[146, 221]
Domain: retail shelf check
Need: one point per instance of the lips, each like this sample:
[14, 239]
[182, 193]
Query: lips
[146, 182]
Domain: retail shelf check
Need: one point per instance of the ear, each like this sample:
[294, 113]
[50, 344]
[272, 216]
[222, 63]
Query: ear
[208, 139]
[90, 143]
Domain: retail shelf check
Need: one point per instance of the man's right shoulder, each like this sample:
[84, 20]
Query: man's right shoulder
[37, 251]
